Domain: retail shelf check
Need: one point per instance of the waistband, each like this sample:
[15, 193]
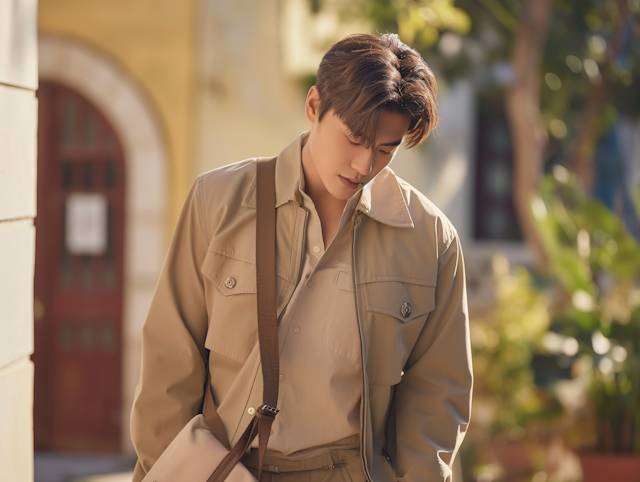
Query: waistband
[320, 457]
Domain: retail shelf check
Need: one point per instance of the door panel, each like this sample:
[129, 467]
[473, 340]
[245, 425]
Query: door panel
[78, 276]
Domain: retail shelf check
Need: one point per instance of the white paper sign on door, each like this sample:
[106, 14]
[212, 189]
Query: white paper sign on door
[86, 225]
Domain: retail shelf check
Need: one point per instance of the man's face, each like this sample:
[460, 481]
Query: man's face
[341, 161]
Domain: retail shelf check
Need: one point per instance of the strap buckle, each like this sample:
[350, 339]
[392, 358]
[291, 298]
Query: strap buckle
[268, 410]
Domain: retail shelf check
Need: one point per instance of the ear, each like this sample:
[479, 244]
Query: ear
[312, 104]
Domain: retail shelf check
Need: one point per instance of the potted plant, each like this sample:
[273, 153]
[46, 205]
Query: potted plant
[594, 264]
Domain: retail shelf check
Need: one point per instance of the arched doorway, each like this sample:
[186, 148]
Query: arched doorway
[78, 276]
[128, 110]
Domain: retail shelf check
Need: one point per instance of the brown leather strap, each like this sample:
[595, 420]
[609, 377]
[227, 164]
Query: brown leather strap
[267, 331]
[266, 291]
[211, 414]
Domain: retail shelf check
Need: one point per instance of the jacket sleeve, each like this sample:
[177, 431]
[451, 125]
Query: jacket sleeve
[433, 399]
[170, 389]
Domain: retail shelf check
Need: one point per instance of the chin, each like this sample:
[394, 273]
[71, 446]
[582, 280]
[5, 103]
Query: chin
[342, 193]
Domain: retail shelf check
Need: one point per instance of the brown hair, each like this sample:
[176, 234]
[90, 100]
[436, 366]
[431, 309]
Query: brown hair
[363, 74]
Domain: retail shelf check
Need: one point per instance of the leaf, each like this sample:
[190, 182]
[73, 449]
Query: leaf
[625, 263]
[597, 216]
[572, 271]
[545, 224]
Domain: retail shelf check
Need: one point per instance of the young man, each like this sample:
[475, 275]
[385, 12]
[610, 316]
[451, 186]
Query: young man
[375, 360]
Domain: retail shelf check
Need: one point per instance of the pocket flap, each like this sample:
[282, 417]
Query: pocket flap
[230, 275]
[403, 300]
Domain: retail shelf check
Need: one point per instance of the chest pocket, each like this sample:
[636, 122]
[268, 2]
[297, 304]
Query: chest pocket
[397, 310]
[232, 304]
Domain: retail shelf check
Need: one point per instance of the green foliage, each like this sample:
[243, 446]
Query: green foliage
[473, 39]
[420, 21]
[596, 265]
[553, 342]
[504, 343]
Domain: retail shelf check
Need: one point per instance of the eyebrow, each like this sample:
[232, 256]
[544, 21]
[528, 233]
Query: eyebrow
[388, 144]
[394, 143]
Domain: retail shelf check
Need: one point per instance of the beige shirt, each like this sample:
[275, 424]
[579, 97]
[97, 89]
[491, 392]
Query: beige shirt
[319, 343]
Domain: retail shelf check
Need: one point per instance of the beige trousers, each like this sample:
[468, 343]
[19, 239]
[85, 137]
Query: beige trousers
[330, 463]
[319, 464]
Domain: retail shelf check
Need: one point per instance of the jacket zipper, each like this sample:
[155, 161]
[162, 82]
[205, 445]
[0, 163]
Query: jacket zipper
[385, 449]
[356, 222]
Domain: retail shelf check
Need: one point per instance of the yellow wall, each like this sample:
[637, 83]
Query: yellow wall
[152, 40]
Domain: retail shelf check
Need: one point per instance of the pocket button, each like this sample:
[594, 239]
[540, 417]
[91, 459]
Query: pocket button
[405, 310]
[230, 283]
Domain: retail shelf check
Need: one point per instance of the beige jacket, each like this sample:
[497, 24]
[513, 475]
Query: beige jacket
[409, 289]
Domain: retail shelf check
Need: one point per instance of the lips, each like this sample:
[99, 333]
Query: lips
[350, 183]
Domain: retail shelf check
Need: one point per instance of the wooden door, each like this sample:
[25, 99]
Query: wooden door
[78, 276]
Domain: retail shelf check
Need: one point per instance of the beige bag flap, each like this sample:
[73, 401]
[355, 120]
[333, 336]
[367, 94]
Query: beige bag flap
[192, 456]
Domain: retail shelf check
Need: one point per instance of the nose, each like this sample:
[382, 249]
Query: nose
[363, 162]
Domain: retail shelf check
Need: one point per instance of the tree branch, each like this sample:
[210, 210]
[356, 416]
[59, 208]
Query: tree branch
[523, 112]
[583, 150]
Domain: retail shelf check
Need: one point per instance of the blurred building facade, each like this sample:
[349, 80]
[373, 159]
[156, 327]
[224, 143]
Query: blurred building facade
[139, 98]
[18, 126]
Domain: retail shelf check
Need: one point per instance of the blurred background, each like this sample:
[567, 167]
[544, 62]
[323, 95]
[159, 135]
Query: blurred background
[536, 162]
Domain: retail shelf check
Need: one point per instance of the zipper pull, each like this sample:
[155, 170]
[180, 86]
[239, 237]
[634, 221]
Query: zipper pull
[386, 455]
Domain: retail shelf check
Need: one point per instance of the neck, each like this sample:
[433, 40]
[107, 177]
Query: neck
[314, 187]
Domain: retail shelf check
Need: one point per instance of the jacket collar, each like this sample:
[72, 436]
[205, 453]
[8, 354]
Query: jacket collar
[382, 198]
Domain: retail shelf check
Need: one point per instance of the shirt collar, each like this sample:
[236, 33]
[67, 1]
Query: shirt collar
[382, 198]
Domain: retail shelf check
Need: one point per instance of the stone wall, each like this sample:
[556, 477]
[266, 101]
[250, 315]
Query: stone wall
[18, 127]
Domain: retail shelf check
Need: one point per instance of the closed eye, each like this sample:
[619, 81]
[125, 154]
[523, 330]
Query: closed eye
[352, 142]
